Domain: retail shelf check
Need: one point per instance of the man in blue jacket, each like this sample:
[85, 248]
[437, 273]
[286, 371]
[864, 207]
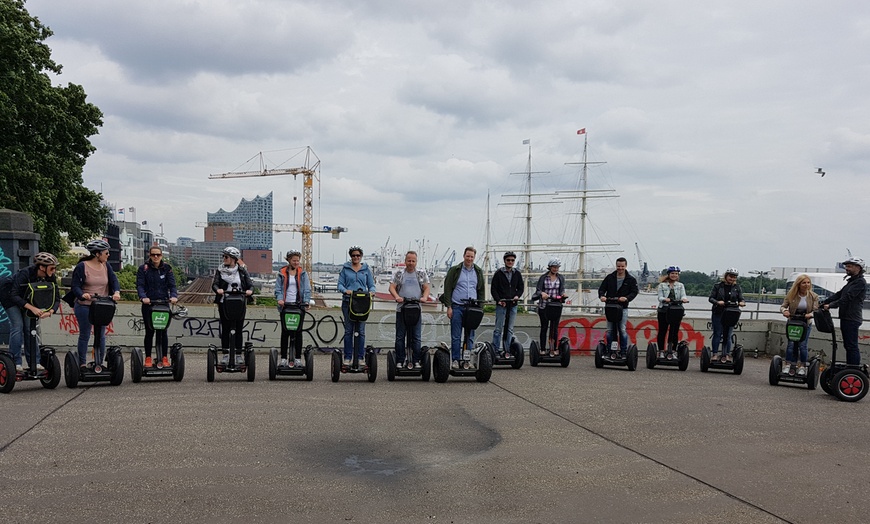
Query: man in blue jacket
[850, 300]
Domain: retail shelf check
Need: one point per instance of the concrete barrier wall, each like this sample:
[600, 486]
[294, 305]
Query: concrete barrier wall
[323, 329]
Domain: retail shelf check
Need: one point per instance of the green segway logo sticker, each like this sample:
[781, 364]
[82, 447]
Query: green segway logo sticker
[291, 321]
[159, 319]
[795, 333]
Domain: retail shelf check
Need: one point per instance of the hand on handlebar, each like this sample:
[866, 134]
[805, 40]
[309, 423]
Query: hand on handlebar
[399, 300]
[146, 301]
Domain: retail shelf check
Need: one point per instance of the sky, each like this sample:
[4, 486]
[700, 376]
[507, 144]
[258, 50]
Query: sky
[712, 119]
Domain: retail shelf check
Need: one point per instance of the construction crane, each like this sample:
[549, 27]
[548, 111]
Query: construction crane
[309, 172]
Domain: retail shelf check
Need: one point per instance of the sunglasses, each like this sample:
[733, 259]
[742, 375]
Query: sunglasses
[355, 256]
[156, 255]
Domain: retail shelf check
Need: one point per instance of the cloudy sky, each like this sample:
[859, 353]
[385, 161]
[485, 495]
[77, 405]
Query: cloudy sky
[711, 117]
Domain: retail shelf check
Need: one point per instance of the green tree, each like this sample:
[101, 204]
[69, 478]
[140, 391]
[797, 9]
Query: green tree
[44, 135]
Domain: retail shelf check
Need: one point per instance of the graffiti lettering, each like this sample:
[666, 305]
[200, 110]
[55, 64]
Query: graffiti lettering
[5, 271]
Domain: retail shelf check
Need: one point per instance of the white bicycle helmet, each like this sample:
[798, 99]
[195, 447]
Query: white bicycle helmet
[732, 271]
[45, 259]
[554, 262]
[292, 253]
[856, 261]
[233, 252]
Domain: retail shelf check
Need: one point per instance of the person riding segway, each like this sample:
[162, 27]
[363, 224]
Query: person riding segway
[617, 290]
[408, 288]
[550, 295]
[671, 297]
[506, 288]
[727, 299]
[293, 293]
[233, 287]
[357, 285]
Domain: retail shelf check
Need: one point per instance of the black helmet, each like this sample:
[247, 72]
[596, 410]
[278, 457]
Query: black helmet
[509, 254]
[355, 248]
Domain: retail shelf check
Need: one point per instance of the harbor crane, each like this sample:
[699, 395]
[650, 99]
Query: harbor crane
[310, 171]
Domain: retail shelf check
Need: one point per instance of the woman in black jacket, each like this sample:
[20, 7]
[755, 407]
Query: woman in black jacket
[231, 277]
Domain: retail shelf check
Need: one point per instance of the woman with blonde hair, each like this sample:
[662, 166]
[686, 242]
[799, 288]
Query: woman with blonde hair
[800, 300]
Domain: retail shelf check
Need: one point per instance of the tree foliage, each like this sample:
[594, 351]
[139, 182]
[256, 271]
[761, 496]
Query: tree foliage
[45, 135]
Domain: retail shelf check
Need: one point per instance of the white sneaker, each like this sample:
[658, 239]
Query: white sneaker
[240, 359]
[786, 369]
[297, 362]
[348, 362]
[802, 371]
[455, 364]
[39, 367]
[661, 355]
[417, 365]
[19, 368]
[283, 362]
[226, 359]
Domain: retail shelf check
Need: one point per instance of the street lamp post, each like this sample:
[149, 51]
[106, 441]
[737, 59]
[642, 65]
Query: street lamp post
[760, 274]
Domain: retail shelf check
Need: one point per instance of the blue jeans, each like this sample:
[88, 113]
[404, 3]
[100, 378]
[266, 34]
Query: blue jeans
[718, 333]
[456, 333]
[416, 339]
[623, 333]
[849, 328]
[82, 317]
[348, 334]
[16, 332]
[802, 348]
[500, 314]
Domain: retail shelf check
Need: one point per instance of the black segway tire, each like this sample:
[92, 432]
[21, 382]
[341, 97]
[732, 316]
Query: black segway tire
[534, 354]
[738, 359]
[631, 357]
[484, 366]
[210, 359]
[335, 366]
[682, 356]
[178, 365]
[813, 375]
[136, 365]
[599, 355]
[7, 373]
[850, 385]
[251, 362]
[564, 352]
[309, 364]
[518, 353]
[117, 369]
[52, 373]
[825, 380]
[273, 364]
[426, 364]
[775, 370]
[652, 350]
[706, 356]
[372, 364]
[71, 370]
[391, 365]
[441, 365]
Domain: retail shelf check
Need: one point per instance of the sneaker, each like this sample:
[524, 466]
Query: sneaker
[283, 362]
[802, 371]
[166, 362]
[39, 367]
[240, 359]
[661, 355]
[19, 368]
[148, 362]
[417, 365]
[225, 359]
[455, 364]
[347, 362]
[297, 362]
[786, 369]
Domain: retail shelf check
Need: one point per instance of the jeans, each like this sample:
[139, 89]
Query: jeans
[849, 328]
[623, 333]
[416, 339]
[802, 348]
[351, 345]
[16, 332]
[718, 334]
[500, 314]
[456, 333]
[82, 313]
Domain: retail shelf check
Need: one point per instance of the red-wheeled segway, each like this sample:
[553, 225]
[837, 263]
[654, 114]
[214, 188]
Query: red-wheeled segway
[847, 382]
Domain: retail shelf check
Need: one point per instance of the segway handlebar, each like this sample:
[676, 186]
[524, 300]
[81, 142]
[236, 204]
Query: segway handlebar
[177, 311]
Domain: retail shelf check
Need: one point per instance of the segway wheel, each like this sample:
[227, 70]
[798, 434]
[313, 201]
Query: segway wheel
[518, 354]
[136, 365]
[564, 352]
[178, 366]
[441, 365]
[391, 365]
[682, 356]
[211, 357]
[631, 357]
[850, 385]
[52, 373]
[273, 364]
[371, 364]
[251, 362]
[117, 369]
[705, 359]
[599, 355]
[426, 364]
[652, 357]
[738, 359]
[825, 380]
[71, 370]
[534, 354]
[484, 366]
[775, 370]
[813, 375]
[7, 374]
[336, 366]
[309, 364]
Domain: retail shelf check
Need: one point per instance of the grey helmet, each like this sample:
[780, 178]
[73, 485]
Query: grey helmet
[97, 246]
[233, 252]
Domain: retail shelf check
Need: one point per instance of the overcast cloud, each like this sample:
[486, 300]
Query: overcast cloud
[712, 119]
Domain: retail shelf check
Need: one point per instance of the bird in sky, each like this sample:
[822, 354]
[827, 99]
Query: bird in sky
[819, 171]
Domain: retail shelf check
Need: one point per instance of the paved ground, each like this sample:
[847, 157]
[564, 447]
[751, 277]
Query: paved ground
[533, 445]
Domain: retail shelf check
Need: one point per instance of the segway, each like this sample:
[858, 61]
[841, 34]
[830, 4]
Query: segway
[358, 311]
[410, 312]
[554, 353]
[730, 316]
[847, 382]
[233, 360]
[292, 316]
[674, 356]
[796, 330]
[161, 316]
[43, 297]
[511, 352]
[612, 356]
[475, 361]
[101, 313]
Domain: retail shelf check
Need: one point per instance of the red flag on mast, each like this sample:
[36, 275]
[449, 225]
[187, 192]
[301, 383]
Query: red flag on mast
[581, 131]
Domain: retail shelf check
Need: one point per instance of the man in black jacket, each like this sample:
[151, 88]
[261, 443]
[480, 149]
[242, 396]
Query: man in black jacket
[507, 284]
[850, 300]
[622, 287]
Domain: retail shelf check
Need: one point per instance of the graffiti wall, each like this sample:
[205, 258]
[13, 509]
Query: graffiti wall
[5, 271]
